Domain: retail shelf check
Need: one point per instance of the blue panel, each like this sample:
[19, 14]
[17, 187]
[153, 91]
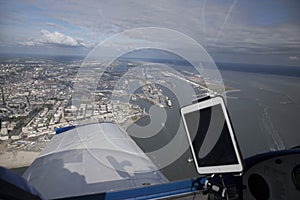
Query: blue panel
[156, 191]
[64, 129]
[253, 160]
[149, 192]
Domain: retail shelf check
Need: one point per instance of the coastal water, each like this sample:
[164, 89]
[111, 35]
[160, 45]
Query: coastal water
[264, 109]
[180, 168]
[265, 112]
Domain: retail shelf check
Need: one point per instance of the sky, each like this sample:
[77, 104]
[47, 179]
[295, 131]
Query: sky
[253, 31]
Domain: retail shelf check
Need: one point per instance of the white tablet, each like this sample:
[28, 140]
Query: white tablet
[211, 137]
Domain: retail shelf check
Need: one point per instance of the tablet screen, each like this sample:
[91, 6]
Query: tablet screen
[211, 137]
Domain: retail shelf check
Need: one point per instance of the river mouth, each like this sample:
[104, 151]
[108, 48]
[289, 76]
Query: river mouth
[169, 128]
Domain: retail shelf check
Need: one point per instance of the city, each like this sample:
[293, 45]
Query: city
[36, 99]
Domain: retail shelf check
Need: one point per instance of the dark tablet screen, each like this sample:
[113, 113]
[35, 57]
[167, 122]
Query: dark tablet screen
[210, 137]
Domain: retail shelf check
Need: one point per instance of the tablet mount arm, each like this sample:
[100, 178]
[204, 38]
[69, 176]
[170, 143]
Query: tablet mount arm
[219, 187]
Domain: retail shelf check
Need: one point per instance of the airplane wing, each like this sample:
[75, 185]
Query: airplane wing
[91, 159]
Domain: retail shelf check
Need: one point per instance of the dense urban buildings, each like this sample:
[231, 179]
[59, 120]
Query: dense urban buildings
[36, 99]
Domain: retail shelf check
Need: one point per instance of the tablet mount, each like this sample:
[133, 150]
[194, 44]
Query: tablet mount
[219, 186]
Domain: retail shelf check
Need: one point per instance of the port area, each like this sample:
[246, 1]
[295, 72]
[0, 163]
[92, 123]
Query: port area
[155, 96]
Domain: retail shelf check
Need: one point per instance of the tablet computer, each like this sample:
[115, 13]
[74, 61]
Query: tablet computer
[211, 137]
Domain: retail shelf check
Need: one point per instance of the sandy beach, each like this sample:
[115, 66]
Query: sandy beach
[17, 159]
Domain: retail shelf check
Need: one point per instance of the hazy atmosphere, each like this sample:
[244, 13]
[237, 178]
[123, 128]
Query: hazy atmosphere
[264, 32]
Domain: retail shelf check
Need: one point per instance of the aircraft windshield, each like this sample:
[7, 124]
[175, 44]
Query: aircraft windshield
[123, 70]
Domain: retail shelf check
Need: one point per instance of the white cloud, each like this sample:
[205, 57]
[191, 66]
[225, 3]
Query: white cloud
[58, 39]
[293, 58]
[29, 43]
[53, 25]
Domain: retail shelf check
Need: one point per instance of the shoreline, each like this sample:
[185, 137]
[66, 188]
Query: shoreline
[17, 159]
